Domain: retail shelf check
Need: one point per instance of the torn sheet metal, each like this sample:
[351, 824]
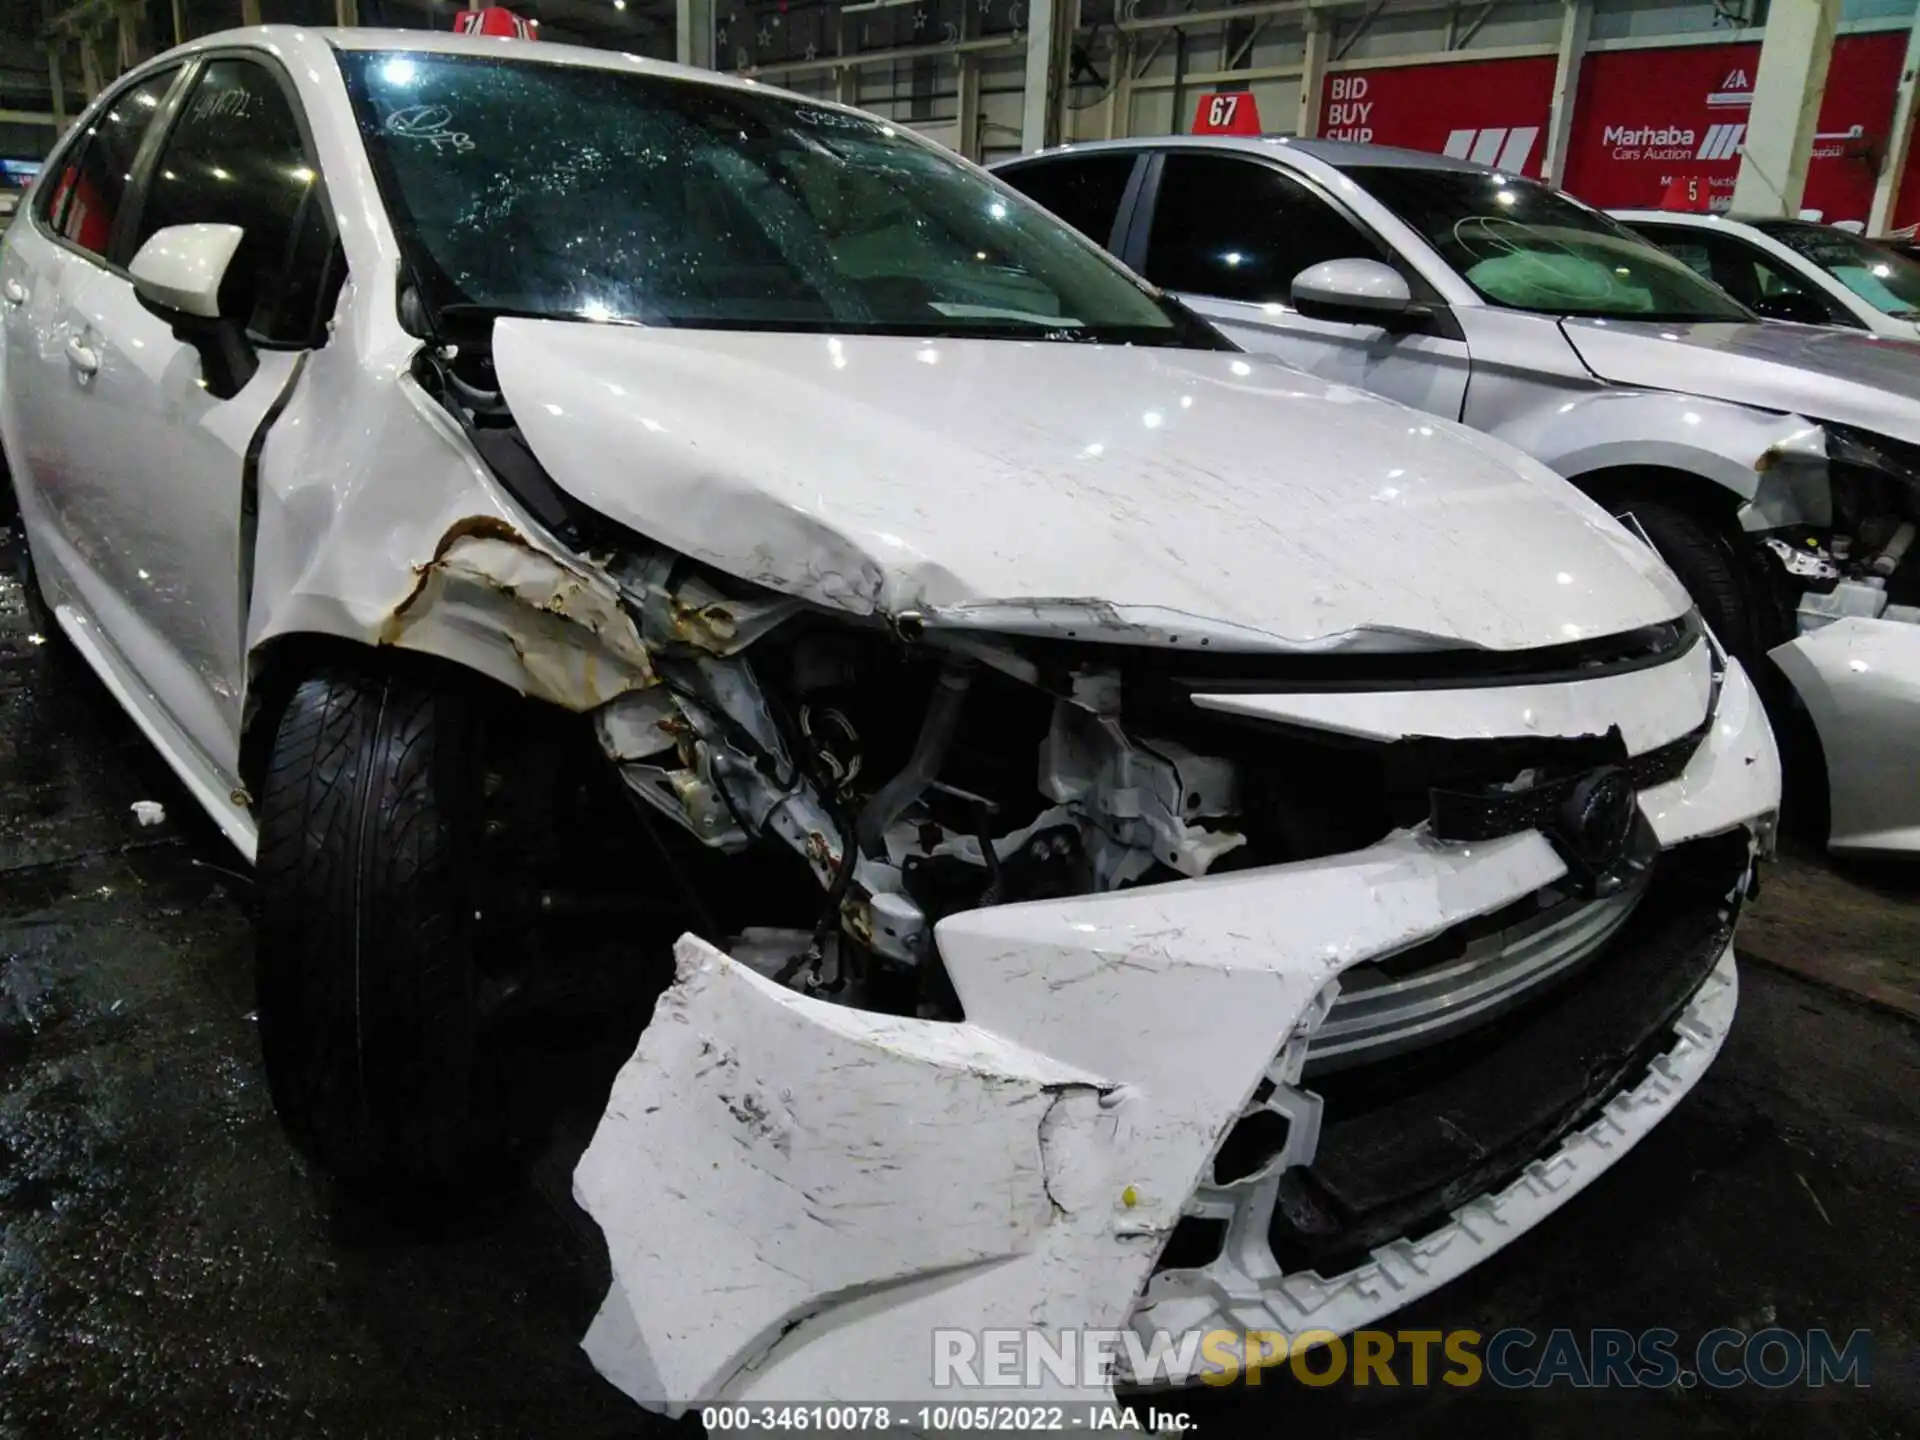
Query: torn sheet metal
[577, 646]
[1860, 681]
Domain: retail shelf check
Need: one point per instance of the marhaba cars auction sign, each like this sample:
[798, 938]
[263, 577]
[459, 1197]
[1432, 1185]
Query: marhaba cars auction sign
[1644, 118]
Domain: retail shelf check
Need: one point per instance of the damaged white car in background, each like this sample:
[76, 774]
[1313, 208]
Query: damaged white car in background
[1156, 840]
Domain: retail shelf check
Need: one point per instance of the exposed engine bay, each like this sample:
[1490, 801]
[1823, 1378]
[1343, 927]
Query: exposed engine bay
[887, 771]
[1856, 557]
[918, 774]
[913, 779]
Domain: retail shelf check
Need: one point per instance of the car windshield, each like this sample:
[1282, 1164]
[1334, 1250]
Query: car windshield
[572, 191]
[1525, 247]
[1885, 279]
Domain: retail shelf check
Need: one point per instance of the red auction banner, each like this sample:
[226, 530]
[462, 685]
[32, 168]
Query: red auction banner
[1490, 111]
[1649, 120]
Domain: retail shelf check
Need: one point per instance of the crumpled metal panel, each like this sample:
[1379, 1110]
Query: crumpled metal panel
[881, 473]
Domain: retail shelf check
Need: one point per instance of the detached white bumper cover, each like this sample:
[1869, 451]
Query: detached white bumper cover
[796, 1195]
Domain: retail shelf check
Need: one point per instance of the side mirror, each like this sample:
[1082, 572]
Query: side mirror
[1361, 292]
[1792, 305]
[184, 275]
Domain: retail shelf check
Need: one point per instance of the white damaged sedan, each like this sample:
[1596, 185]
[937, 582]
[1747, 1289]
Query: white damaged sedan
[1157, 842]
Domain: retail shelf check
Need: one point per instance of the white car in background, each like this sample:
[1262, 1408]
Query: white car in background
[1797, 270]
[1775, 467]
[541, 500]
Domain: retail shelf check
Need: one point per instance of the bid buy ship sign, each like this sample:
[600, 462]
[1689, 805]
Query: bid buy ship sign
[1493, 112]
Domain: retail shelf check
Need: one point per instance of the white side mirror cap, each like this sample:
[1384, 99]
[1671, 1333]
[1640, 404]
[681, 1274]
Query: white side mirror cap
[181, 267]
[1349, 286]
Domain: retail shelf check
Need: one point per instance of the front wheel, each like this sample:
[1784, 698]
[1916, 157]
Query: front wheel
[369, 924]
[1726, 584]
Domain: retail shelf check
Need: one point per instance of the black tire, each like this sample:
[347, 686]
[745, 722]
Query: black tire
[368, 926]
[1730, 591]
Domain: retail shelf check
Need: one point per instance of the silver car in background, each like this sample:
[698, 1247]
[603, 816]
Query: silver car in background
[1776, 467]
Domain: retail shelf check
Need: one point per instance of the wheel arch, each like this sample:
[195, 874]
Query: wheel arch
[277, 665]
[1698, 495]
[1711, 453]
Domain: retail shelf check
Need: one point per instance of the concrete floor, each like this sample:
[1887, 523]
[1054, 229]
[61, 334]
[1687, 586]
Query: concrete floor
[166, 1269]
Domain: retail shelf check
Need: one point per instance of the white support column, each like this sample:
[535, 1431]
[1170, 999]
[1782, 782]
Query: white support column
[967, 121]
[1576, 24]
[1119, 105]
[846, 85]
[249, 12]
[1786, 106]
[693, 33]
[89, 67]
[1313, 75]
[345, 12]
[1893, 166]
[57, 80]
[1046, 67]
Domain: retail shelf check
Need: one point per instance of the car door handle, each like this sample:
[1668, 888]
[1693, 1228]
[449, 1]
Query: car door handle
[81, 357]
[15, 292]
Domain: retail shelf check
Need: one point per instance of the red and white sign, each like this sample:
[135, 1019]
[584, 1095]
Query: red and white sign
[1227, 112]
[494, 20]
[1690, 193]
[1490, 111]
[1650, 120]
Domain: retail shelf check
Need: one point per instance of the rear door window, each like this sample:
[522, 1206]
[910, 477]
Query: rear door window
[1085, 191]
[82, 199]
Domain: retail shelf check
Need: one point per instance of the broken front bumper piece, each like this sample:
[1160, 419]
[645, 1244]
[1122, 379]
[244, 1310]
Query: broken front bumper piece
[1859, 677]
[797, 1196]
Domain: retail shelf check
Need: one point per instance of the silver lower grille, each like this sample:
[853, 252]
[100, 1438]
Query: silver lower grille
[1384, 1009]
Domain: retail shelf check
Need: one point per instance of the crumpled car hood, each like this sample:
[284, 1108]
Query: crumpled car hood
[1823, 374]
[1109, 487]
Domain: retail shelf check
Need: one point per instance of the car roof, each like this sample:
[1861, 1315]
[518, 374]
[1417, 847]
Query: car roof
[1340, 154]
[303, 39]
